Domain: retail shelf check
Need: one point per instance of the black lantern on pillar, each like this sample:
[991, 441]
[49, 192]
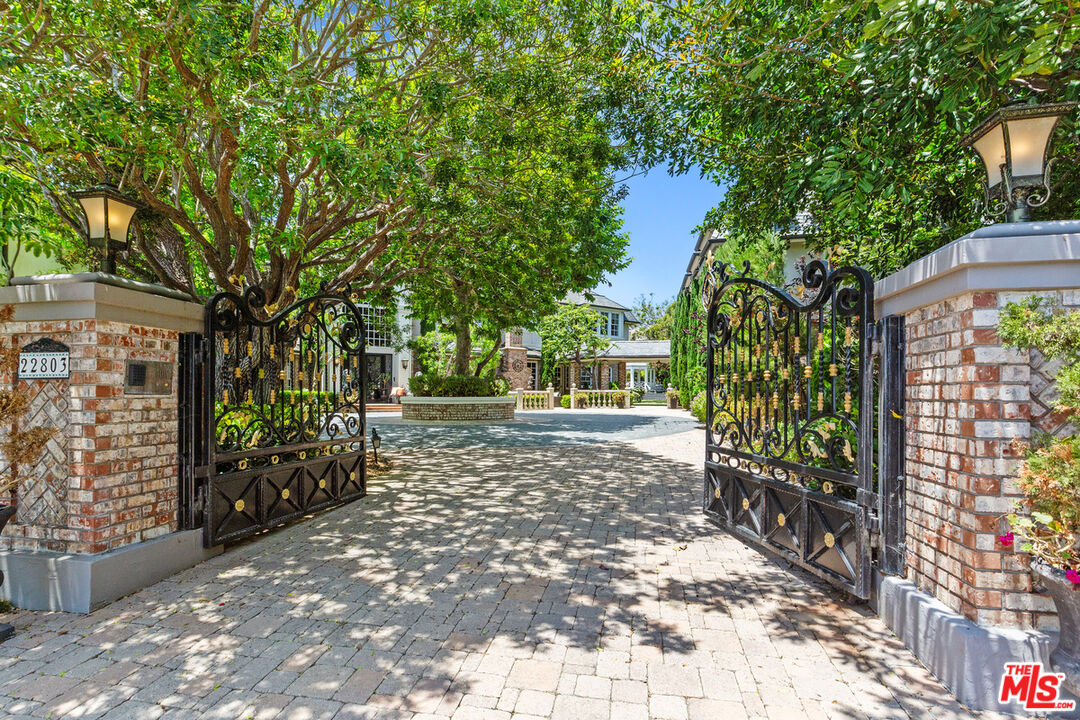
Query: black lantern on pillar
[108, 219]
[1014, 144]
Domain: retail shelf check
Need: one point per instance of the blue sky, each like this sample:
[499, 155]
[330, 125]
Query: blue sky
[660, 215]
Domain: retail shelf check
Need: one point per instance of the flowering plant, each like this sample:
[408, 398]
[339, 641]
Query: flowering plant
[1047, 521]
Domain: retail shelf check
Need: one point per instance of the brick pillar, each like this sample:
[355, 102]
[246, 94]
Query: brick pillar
[604, 381]
[515, 360]
[109, 478]
[968, 399]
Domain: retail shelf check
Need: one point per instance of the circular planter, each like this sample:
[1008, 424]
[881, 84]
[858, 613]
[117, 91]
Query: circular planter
[458, 409]
[1066, 658]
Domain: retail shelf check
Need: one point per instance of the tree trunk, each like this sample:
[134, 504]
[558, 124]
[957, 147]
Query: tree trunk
[491, 354]
[462, 345]
[462, 330]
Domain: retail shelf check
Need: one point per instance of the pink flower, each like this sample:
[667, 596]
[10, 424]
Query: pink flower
[1006, 540]
[1073, 576]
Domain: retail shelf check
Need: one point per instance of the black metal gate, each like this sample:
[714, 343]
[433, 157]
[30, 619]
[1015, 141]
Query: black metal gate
[804, 438]
[272, 413]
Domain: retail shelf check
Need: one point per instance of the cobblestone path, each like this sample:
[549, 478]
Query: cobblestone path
[571, 582]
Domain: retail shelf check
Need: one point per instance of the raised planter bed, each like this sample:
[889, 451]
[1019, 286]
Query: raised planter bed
[458, 409]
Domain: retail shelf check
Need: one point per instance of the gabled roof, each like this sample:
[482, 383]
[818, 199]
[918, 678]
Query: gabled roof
[600, 301]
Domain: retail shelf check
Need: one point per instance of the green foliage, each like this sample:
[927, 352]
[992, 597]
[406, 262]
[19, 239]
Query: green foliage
[656, 318]
[564, 400]
[435, 350]
[1035, 323]
[291, 397]
[765, 255]
[1049, 520]
[697, 406]
[433, 385]
[852, 112]
[569, 334]
[284, 144]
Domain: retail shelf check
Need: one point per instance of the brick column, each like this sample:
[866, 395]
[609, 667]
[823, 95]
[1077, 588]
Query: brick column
[109, 478]
[515, 360]
[968, 400]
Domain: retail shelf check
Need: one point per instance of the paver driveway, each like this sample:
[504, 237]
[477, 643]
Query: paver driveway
[561, 581]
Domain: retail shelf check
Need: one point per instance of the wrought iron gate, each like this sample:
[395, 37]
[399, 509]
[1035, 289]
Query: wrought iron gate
[804, 438]
[272, 413]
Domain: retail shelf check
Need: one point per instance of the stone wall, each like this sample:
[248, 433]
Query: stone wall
[431, 409]
[969, 400]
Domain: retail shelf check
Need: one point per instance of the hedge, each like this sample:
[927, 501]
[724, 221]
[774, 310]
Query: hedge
[434, 385]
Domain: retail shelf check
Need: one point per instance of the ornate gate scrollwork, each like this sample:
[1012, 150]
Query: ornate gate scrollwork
[277, 427]
[791, 417]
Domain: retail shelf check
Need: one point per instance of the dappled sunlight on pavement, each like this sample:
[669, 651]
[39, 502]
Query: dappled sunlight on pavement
[574, 581]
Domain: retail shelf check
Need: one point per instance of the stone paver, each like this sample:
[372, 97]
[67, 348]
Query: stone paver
[547, 571]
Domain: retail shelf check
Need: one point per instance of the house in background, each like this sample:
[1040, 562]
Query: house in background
[520, 360]
[389, 360]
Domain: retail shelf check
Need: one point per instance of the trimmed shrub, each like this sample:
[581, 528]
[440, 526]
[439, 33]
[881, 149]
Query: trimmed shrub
[564, 400]
[697, 406]
[432, 385]
[293, 397]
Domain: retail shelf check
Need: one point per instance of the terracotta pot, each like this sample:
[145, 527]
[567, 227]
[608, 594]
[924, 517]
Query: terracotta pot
[1066, 657]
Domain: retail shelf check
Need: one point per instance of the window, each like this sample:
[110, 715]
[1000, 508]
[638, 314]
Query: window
[586, 378]
[379, 322]
[557, 377]
[612, 375]
[608, 324]
[532, 376]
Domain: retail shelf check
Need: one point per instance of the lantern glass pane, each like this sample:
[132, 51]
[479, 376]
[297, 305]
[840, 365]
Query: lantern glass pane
[94, 207]
[991, 148]
[119, 219]
[1027, 144]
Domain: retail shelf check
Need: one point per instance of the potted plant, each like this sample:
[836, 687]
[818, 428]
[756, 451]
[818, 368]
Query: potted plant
[1047, 521]
[21, 446]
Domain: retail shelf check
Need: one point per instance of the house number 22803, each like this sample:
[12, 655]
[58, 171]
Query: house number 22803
[44, 365]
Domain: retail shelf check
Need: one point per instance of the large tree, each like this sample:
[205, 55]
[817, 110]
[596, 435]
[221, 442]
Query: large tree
[514, 278]
[570, 335]
[853, 111]
[654, 318]
[283, 144]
